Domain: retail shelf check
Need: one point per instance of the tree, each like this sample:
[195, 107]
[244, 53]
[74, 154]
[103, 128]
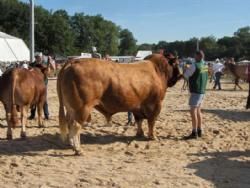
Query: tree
[210, 47]
[60, 37]
[127, 43]
[95, 31]
[243, 35]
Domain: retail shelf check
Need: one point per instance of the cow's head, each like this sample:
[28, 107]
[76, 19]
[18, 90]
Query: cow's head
[168, 66]
[42, 69]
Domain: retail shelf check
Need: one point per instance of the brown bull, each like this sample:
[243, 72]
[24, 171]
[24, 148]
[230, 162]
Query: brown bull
[19, 89]
[110, 88]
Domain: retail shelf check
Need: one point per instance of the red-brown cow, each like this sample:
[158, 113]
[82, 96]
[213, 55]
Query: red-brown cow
[19, 89]
[140, 88]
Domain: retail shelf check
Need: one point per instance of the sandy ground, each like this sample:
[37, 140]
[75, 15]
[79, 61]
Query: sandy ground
[114, 158]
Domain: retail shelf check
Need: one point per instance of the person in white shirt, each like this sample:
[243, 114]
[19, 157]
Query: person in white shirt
[218, 72]
[1, 73]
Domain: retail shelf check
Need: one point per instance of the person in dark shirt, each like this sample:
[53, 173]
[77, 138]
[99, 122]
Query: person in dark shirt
[39, 61]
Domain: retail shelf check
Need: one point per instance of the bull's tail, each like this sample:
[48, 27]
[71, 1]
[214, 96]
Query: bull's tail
[14, 115]
[63, 125]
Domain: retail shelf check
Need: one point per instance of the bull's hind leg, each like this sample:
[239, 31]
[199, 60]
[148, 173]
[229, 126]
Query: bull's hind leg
[74, 136]
[8, 117]
[77, 119]
[24, 116]
[39, 113]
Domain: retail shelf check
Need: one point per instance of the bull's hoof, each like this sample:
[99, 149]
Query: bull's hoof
[153, 138]
[78, 152]
[9, 137]
[140, 135]
[23, 135]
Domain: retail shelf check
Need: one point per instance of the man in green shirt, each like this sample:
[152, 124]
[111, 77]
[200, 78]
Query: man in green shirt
[39, 61]
[197, 76]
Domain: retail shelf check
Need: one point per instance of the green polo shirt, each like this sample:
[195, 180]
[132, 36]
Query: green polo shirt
[198, 81]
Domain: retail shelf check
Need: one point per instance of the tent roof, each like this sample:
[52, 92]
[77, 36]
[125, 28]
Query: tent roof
[6, 36]
[12, 49]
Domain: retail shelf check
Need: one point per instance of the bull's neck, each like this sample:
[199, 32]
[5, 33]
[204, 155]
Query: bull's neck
[164, 79]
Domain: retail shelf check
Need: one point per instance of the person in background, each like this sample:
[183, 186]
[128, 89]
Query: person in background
[95, 54]
[107, 57]
[218, 72]
[25, 65]
[161, 51]
[130, 118]
[52, 64]
[1, 73]
[40, 61]
[197, 76]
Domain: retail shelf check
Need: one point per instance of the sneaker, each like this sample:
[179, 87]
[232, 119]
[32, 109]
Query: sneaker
[193, 135]
[199, 133]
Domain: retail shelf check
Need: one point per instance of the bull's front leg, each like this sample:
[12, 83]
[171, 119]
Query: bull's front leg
[9, 130]
[139, 132]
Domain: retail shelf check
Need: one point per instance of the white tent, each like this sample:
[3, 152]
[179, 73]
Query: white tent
[12, 49]
[141, 54]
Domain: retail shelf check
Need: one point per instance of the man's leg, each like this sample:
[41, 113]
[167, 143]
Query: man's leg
[193, 112]
[130, 116]
[199, 122]
[46, 110]
[45, 106]
[219, 77]
[216, 81]
[193, 135]
[32, 112]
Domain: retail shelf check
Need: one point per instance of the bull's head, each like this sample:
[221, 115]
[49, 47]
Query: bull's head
[174, 73]
[168, 66]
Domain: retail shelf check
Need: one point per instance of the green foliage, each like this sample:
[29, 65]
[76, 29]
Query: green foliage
[127, 43]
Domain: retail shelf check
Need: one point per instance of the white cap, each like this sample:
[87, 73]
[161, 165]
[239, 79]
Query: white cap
[38, 54]
[25, 66]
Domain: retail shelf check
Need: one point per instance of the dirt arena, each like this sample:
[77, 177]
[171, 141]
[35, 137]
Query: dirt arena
[114, 158]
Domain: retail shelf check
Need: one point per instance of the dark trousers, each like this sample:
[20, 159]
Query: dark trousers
[217, 80]
[45, 110]
[130, 116]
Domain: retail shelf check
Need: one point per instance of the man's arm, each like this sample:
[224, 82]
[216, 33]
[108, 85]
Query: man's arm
[189, 71]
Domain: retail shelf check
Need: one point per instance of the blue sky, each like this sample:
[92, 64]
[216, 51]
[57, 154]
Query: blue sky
[170, 20]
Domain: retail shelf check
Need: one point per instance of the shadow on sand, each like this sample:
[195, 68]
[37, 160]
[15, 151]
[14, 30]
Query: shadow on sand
[224, 169]
[234, 115]
[31, 146]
